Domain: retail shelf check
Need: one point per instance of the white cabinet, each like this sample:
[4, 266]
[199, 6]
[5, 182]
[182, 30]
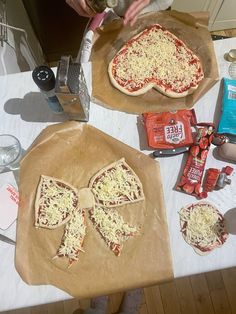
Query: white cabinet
[20, 50]
[191, 5]
[226, 16]
[222, 12]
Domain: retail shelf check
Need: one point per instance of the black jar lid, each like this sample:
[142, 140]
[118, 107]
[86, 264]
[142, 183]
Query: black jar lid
[44, 78]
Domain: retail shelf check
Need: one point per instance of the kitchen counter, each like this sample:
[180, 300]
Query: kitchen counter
[24, 113]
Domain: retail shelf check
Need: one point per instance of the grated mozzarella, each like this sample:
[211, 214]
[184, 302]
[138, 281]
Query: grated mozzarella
[72, 240]
[117, 185]
[113, 229]
[202, 226]
[55, 203]
[156, 55]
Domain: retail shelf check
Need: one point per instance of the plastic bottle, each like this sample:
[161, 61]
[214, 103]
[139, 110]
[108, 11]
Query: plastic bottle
[44, 78]
[86, 47]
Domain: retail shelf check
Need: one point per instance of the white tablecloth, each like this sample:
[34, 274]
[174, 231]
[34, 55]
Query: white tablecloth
[24, 113]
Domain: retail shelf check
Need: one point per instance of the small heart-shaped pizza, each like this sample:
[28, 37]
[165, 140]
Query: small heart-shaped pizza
[155, 58]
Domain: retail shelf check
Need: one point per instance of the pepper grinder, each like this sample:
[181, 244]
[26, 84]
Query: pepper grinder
[44, 78]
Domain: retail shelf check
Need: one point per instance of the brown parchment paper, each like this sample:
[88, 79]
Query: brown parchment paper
[191, 28]
[74, 152]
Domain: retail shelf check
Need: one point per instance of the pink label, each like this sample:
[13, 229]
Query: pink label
[9, 200]
[174, 133]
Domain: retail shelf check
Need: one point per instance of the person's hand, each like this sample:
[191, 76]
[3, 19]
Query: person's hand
[133, 10]
[81, 7]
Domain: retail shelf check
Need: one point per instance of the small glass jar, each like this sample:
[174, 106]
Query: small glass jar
[10, 152]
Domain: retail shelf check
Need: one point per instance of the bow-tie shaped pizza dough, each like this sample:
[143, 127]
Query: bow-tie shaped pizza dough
[57, 203]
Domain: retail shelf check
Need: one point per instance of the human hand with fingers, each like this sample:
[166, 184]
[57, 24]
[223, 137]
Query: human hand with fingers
[81, 7]
[130, 16]
[133, 10]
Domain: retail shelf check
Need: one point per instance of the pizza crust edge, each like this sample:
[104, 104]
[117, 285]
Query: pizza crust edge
[149, 86]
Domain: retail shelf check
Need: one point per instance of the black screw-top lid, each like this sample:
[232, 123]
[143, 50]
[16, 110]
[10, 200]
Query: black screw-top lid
[44, 78]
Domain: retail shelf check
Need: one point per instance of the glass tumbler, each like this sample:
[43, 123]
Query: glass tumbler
[232, 70]
[10, 152]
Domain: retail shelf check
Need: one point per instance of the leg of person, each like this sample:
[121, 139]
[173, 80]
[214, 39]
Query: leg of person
[100, 303]
[131, 302]
[98, 306]
[89, 311]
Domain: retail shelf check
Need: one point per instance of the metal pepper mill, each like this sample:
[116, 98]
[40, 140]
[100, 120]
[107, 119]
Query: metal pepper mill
[71, 89]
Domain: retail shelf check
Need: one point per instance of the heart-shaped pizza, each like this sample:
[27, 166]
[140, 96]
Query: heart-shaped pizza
[155, 58]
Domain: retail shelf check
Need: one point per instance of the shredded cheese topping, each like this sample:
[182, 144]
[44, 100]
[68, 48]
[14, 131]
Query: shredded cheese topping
[117, 185]
[112, 227]
[156, 55]
[56, 202]
[74, 233]
[202, 226]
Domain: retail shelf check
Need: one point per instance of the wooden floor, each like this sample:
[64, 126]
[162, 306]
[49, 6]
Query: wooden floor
[210, 293]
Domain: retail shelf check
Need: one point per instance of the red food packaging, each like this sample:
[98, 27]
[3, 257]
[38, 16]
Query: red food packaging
[167, 130]
[216, 178]
[191, 179]
[212, 175]
[228, 170]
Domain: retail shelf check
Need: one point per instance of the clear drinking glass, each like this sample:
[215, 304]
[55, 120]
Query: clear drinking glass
[10, 152]
[232, 70]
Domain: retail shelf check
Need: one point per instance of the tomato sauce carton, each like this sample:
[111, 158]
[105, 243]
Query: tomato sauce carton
[191, 179]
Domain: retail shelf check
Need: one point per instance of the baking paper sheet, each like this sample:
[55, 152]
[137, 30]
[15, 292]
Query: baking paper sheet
[74, 152]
